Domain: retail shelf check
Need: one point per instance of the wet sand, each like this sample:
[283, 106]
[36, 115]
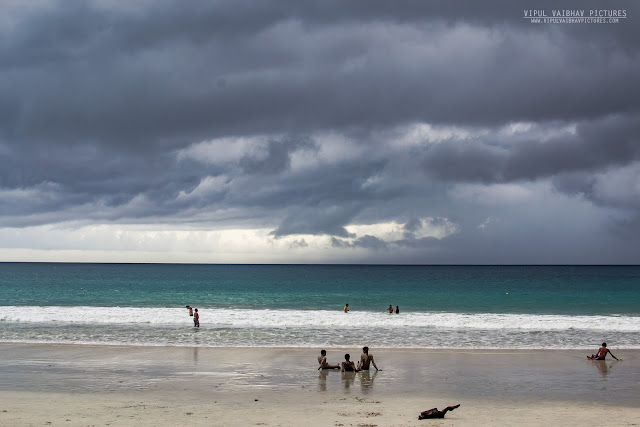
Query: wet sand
[112, 385]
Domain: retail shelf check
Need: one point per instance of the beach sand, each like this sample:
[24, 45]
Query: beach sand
[79, 385]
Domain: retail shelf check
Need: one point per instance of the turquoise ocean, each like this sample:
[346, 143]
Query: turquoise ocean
[475, 307]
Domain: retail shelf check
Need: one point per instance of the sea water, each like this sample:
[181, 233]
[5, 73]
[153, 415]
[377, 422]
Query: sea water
[518, 307]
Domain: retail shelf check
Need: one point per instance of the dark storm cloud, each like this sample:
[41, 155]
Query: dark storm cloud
[318, 200]
[412, 225]
[611, 141]
[318, 220]
[367, 242]
[278, 155]
[150, 77]
[299, 244]
[98, 100]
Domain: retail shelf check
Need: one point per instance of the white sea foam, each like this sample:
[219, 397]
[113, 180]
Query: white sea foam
[316, 319]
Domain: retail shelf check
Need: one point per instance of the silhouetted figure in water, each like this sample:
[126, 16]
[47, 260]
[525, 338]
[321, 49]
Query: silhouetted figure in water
[196, 319]
[434, 413]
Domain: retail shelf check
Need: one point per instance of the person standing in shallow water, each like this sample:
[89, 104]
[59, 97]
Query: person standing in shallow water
[397, 309]
[390, 309]
[346, 308]
[196, 319]
[190, 310]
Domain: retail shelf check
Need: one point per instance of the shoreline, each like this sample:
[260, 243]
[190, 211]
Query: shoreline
[172, 326]
[120, 385]
[586, 349]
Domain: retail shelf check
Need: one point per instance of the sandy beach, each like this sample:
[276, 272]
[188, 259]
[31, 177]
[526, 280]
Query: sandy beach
[111, 385]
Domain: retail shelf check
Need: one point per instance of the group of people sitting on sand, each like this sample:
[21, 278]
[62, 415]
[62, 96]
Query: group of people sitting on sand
[366, 360]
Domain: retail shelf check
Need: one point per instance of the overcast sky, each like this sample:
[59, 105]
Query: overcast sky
[243, 131]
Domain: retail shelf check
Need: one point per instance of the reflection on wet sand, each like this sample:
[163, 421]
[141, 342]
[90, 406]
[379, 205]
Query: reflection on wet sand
[348, 378]
[322, 379]
[366, 380]
[602, 366]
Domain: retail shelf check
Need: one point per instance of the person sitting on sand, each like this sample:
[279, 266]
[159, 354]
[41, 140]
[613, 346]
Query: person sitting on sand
[390, 309]
[601, 353]
[322, 360]
[348, 365]
[346, 308]
[366, 359]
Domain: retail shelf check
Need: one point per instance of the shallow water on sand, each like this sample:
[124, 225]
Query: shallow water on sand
[508, 375]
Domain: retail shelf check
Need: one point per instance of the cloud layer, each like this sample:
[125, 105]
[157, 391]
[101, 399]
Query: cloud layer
[418, 132]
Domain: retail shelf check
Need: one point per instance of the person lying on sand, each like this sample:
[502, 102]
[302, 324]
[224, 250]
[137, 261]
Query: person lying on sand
[322, 360]
[434, 413]
[348, 365]
[601, 353]
[366, 359]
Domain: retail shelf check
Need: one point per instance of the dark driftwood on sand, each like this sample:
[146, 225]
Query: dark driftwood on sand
[434, 413]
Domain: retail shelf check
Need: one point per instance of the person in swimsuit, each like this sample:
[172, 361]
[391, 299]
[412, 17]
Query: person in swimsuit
[348, 365]
[196, 319]
[397, 309]
[322, 360]
[190, 310]
[366, 359]
[390, 309]
[346, 308]
[601, 354]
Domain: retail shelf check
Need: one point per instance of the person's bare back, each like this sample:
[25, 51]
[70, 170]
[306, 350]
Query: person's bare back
[366, 360]
[601, 354]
